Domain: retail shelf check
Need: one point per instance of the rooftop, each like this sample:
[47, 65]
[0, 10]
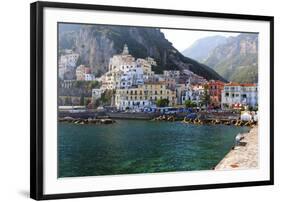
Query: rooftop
[241, 84]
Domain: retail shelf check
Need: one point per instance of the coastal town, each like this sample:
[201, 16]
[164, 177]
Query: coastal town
[148, 108]
[130, 85]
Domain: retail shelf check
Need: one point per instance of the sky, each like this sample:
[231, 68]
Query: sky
[182, 39]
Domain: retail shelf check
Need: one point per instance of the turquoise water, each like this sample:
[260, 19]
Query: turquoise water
[133, 146]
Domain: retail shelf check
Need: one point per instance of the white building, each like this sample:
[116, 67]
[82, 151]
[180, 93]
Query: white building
[175, 74]
[124, 104]
[181, 89]
[89, 77]
[122, 62]
[193, 93]
[146, 64]
[126, 72]
[235, 94]
[83, 73]
[62, 71]
[96, 93]
[69, 60]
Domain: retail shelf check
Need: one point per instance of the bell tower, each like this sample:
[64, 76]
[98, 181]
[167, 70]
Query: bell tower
[125, 50]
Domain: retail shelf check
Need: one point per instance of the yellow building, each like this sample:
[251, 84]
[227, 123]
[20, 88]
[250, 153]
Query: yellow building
[143, 96]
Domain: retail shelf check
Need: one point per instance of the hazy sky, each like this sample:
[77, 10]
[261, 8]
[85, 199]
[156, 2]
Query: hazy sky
[182, 39]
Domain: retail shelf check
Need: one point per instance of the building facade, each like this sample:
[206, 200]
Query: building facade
[235, 94]
[215, 89]
[96, 93]
[143, 96]
[69, 60]
[83, 73]
[175, 74]
[193, 93]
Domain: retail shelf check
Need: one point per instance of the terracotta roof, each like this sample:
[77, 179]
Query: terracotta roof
[215, 82]
[240, 84]
[232, 84]
[248, 84]
[87, 70]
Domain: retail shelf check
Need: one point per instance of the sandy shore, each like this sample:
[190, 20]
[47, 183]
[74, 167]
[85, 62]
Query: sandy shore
[242, 157]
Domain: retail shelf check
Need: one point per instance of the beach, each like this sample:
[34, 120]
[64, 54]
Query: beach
[244, 156]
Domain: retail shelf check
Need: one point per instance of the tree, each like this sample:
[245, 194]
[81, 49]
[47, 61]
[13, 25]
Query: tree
[225, 106]
[78, 84]
[68, 101]
[205, 99]
[250, 108]
[89, 104]
[106, 97]
[82, 100]
[96, 103]
[88, 101]
[189, 104]
[94, 84]
[162, 102]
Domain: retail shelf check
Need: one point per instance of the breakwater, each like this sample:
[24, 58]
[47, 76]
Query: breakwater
[86, 121]
[204, 120]
[244, 155]
[199, 118]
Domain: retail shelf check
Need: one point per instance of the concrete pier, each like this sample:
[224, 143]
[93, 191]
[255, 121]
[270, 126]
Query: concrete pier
[244, 156]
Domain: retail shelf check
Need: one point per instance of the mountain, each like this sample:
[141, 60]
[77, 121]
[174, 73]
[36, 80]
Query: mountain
[201, 48]
[69, 27]
[237, 59]
[97, 43]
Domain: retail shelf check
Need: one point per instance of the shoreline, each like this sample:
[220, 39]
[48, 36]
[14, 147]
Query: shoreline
[244, 156]
[200, 119]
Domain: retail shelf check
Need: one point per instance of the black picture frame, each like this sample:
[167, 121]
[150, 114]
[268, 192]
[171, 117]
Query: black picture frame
[36, 99]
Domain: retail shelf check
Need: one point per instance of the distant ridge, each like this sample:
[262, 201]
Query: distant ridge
[237, 59]
[201, 48]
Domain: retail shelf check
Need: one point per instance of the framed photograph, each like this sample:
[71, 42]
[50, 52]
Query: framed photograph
[131, 100]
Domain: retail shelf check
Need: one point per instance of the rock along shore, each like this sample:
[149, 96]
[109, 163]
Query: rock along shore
[244, 156]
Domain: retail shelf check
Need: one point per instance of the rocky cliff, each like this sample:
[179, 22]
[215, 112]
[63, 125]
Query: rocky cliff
[237, 59]
[97, 43]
